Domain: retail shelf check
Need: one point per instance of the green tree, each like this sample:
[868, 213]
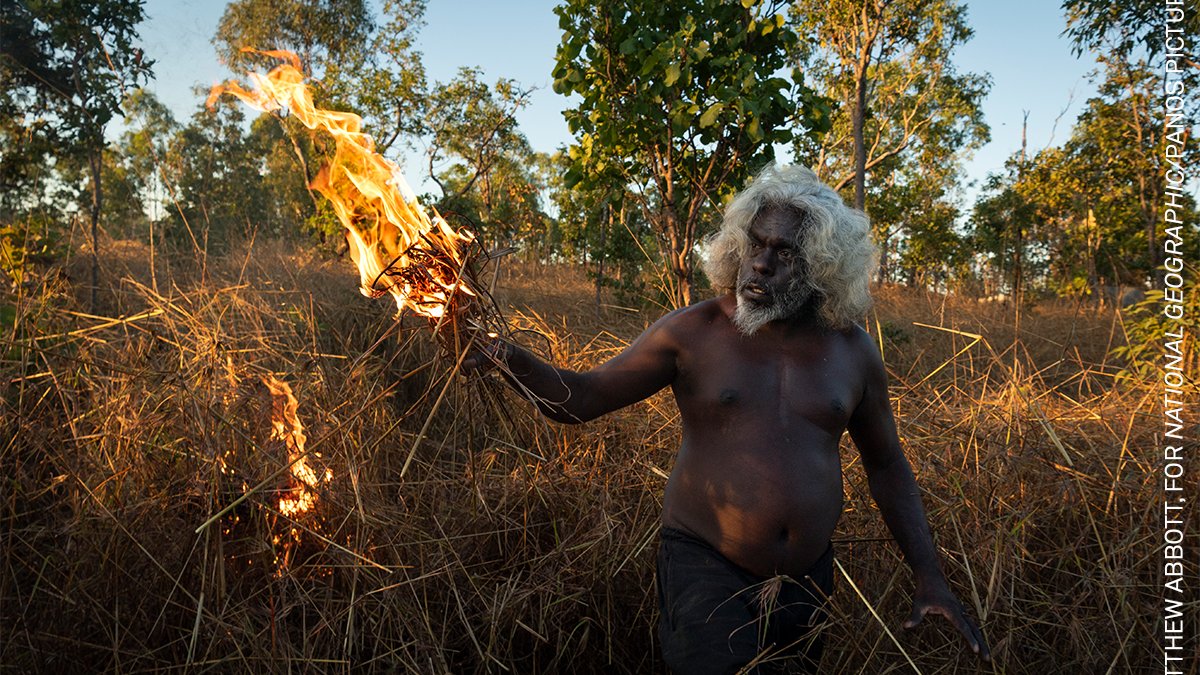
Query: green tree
[285, 152]
[1003, 224]
[679, 103]
[321, 32]
[904, 116]
[29, 84]
[385, 83]
[1125, 28]
[887, 64]
[217, 180]
[917, 211]
[482, 163]
[123, 209]
[145, 145]
[1103, 190]
[64, 69]
[599, 227]
[1135, 46]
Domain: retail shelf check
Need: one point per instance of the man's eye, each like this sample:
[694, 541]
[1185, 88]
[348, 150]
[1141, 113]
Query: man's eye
[787, 254]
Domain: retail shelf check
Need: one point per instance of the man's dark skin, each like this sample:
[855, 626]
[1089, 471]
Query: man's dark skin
[758, 474]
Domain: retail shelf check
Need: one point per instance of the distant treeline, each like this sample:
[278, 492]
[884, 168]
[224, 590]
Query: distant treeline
[677, 104]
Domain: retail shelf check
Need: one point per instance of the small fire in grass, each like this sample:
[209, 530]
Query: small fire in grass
[399, 248]
[292, 517]
[298, 501]
[286, 427]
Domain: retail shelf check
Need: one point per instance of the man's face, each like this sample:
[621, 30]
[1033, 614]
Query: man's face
[772, 281]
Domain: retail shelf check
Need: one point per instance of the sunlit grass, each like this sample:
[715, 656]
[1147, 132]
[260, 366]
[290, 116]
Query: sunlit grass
[512, 543]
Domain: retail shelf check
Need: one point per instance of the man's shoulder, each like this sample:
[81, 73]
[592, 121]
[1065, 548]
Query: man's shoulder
[863, 346]
[852, 346]
[858, 337]
[697, 314]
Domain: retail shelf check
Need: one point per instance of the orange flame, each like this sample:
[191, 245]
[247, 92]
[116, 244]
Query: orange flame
[398, 248]
[286, 427]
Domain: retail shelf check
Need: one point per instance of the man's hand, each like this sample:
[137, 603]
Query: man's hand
[485, 353]
[937, 598]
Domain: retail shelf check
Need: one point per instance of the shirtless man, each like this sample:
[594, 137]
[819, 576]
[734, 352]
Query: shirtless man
[767, 376]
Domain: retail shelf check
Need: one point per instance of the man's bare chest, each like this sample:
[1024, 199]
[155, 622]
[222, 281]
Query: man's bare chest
[783, 389]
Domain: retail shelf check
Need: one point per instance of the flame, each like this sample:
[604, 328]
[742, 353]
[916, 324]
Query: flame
[286, 427]
[397, 247]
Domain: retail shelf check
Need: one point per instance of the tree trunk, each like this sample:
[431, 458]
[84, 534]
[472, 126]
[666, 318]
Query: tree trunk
[1019, 249]
[605, 223]
[685, 280]
[860, 147]
[883, 272]
[681, 292]
[94, 162]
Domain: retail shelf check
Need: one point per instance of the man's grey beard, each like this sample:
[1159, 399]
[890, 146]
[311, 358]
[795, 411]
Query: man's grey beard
[750, 316]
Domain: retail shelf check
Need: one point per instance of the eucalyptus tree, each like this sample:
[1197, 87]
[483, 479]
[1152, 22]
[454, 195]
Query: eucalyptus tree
[65, 67]
[888, 66]
[1003, 222]
[1133, 29]
[481, 162]
[678, 103]
[320, 32]
[1103, 190]
[1148, 104]
[355, 57]
[903, 117]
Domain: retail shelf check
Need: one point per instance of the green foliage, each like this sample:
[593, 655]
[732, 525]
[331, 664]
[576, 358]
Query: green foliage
[143, 153]
[487, 171]
[916, 100]
[929, 249]
[920, 117]
[1090, 210]
[25, 243]
[287, 156]
[1003, 225]
[1146, 327]
[69, 64]
[678, 103]
[65, 67]
[322, 32]
[1103, 191]
[217, 192]
[1116, 154]
[1125, 27]
[385, 83]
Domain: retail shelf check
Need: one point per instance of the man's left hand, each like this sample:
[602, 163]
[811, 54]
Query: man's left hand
[939, 599]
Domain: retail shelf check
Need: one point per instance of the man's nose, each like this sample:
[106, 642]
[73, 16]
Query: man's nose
[764, 263]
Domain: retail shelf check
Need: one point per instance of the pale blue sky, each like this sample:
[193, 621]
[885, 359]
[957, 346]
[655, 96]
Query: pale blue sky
[1017, 42]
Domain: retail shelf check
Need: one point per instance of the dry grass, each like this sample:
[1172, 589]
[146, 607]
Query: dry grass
[510, 544]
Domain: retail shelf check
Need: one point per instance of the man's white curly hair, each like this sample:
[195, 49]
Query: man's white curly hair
[834, 240]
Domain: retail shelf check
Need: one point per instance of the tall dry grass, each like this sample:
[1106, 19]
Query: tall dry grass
[461, 534]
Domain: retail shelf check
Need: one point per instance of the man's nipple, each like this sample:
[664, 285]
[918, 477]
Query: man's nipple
[728, 396]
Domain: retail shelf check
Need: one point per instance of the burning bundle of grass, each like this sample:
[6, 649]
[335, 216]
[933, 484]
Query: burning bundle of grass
[401, 249]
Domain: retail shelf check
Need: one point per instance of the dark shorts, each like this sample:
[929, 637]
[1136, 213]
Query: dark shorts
[715, 617]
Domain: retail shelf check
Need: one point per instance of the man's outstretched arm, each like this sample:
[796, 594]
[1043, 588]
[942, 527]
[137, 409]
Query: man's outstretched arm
[643, 368]
[873, 429]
